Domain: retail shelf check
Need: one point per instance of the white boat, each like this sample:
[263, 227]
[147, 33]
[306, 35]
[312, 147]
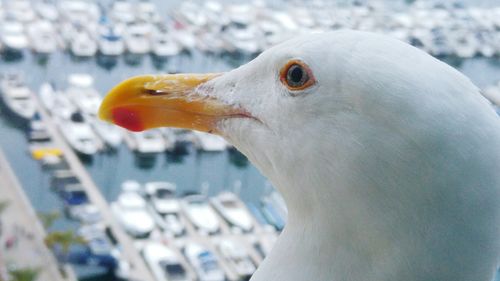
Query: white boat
[79, 11]
[85, 213]
[110, 134]
[17, 97]
[166, 206]
[42, 37]
[82, 45]
[204, 262]
[230, 207]
[147, 11]
[46, 11]
[169, 137]
[20, 10]
[82, 93]
[62, 107]
[162, 196]
[130, 209]
[237, 257]
[265, 244]
[79, 134]
[110, 42]
[122, 11]
[137, 38]
[201, 215]
[148, 142]
[245, 39]
[164, 263]
[209, 142]
[12, 35]
[163, 45]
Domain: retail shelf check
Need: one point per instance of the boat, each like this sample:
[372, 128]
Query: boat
[85, 213]
[274, 210]
[265, 244]
[201, 215]
[12, 37]
[62, 107]
[79, 134]
[82, 45]
[164, 45]
[169, 137]
[208, 142]
[164, 263]
[19, 10]
[147, 11]
[79, 12]
[17, 97]
[73, 195]
[166, 206]
[42, 37]
[237, 258]
[137, 38]
[183, 139]
[46, 11]
[148, 142]
[101, 251]
[162, 196]
[61, 178]
[82, 93]
[204, 262]
[111, 135]
[110, 41]
[230, 207]
[130, 209]
[122, 11]
[37, 130]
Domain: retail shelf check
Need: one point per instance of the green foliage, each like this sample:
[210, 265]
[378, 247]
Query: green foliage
[3, 206]
[24, 274]
[49, 218]
[64, 239]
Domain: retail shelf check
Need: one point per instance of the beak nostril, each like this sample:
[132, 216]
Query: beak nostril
[152, 92]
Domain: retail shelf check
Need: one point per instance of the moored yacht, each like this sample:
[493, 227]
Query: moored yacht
[17, 97]
[233, 210]
[164, 263]
[130, 209]
[79, 134]
[166, 206]
[201, 215]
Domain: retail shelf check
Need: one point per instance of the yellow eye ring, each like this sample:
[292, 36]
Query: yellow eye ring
[297, 76]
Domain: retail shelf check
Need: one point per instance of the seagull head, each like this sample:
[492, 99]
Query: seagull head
[383, 154]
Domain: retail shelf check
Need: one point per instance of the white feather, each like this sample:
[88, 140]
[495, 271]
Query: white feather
[390, 165]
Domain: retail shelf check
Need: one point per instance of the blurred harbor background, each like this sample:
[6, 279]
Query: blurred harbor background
[56, 55]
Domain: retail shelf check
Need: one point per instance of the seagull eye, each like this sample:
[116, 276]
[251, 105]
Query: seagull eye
[296, 76]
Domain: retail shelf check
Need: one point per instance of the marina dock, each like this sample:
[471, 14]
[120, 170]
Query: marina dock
[22, 230]
[131, 247]
[138, 270]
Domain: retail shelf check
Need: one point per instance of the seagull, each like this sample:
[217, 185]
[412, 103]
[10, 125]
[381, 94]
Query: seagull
[388, 159]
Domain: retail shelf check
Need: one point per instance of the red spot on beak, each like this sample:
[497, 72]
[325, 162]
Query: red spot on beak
[127, 119]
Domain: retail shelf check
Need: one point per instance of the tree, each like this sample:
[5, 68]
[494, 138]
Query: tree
[3, 206]
[48, 218]
[24, 274]
[64, 239]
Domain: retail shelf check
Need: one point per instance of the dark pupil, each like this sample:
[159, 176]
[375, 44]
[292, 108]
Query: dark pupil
[295, 76]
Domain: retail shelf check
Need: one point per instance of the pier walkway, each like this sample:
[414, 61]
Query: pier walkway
[138, 269]
[21, 234]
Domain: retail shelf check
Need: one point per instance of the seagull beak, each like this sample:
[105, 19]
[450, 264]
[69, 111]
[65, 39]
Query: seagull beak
[173, 100]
